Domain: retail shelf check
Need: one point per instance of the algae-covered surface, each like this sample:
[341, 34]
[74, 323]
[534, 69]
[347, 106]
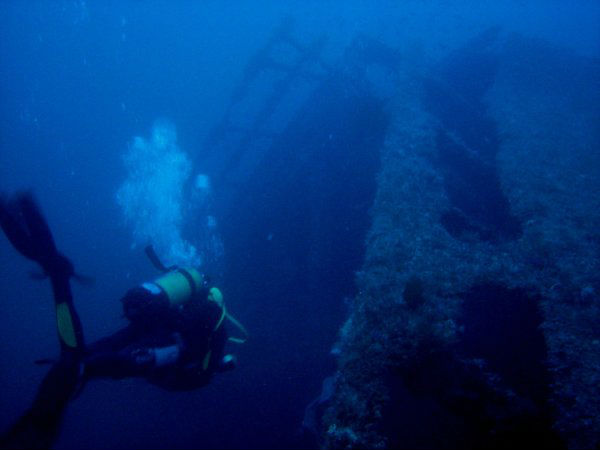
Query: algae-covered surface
[466, 330]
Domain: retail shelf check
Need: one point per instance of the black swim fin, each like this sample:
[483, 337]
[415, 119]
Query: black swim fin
[84, 279]
[27, 230]
[11, 221]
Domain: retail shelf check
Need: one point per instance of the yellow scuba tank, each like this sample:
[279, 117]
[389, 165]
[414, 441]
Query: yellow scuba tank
[180, 285]
[150, 302]
[177, 283]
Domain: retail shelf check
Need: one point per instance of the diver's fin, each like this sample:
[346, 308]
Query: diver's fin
[28, 231]
[11, 221]
[35, 275]
[81, 279]
[84, 279]
[42, 241]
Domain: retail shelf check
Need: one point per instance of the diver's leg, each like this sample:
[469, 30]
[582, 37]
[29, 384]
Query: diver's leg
[112, 356]
[37, 428]
[112, 364]
[129, 354]
[114, 342]
[132, 361]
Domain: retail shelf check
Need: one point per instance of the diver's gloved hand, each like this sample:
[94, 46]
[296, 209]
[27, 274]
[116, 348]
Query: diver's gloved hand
[227, 363]
[143, 357]
[169, 355]
[154, 357]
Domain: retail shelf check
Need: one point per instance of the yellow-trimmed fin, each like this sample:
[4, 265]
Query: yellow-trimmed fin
[64, 324]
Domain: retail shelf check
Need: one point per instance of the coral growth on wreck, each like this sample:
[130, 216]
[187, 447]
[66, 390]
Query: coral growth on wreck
[482, 330]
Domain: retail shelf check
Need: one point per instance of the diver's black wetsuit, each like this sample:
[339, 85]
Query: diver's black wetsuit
[187, 335]
[127, 353]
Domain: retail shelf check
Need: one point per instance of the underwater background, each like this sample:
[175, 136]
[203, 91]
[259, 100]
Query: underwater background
[398, 199]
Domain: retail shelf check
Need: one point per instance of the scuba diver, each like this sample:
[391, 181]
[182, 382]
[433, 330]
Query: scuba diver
[175, 337]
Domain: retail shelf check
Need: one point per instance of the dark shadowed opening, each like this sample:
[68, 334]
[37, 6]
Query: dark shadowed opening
[294, 235]
[502, 327]
[467, 142]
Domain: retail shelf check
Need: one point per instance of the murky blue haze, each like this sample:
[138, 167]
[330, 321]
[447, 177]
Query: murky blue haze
[111, 110]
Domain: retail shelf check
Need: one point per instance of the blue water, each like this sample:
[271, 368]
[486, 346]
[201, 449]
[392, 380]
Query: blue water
[81, 80]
